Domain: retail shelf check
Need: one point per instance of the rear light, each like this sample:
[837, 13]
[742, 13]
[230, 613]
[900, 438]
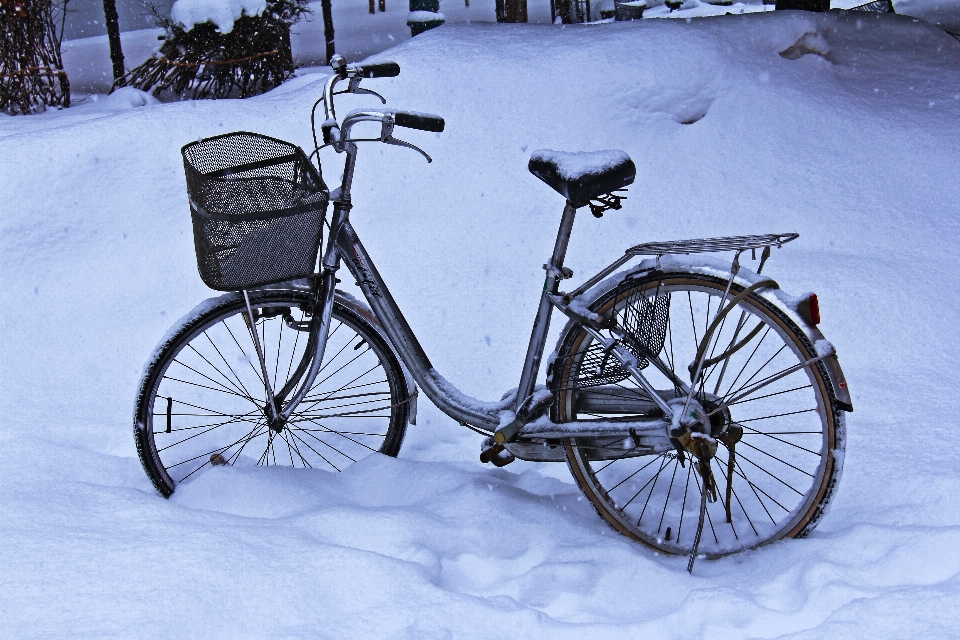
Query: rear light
[814, 309]
[810, 309]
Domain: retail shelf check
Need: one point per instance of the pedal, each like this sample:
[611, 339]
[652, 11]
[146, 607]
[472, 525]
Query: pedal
[495, 453]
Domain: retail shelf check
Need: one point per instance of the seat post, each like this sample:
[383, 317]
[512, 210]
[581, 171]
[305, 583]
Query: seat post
[563, 239]
[538, 336]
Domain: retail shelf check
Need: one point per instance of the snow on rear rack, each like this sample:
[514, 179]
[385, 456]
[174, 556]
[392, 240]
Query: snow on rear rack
[708, 245]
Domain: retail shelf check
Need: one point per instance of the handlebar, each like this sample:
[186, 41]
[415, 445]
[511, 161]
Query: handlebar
[379, 70]
[332, 133]
[421, 121]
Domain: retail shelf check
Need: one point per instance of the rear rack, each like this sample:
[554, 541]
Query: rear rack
[701, 245]
[707, 245]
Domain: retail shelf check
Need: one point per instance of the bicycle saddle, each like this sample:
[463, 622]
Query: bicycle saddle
[581, 177]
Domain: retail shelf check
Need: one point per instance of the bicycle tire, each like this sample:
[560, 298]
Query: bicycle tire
[201, 399]
[783, 475]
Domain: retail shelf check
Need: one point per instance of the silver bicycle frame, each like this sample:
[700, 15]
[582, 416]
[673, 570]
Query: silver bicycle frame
[344, 243]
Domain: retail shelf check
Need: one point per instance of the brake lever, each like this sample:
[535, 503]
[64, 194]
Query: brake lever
[372, 93]
[402, 143]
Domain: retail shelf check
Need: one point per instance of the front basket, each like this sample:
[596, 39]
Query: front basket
[258, 208]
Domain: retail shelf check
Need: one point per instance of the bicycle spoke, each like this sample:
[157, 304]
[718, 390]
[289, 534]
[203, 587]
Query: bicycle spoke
[339, 433]
[203, 386]
[634, 473]
[770, 395]
[756, 488]
[217, 349]
[245, 356]
[666, 501]
[307, 445]
[230, 382]
[212, 427]
[757, 372]
[656, 477]
[246, 437]
[683, 506]
[776, 458]
[743, 457]
[747, 363]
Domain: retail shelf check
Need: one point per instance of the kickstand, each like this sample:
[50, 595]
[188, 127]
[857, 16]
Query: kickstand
[696, 539]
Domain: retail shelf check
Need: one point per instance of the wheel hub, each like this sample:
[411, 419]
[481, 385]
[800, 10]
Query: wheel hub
[688, 417]
[274, 421]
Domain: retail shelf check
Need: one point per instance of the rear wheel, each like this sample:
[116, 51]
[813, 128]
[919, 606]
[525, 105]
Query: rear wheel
[202, 400]
[772, 482]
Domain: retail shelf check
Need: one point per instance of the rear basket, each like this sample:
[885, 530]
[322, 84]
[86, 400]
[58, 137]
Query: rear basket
[258, 208]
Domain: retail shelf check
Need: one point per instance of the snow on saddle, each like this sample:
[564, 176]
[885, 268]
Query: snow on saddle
[584, 176]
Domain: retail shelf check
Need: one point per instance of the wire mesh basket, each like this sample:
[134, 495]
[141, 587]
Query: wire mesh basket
[879, 6]
[644, 320]
[258, 208]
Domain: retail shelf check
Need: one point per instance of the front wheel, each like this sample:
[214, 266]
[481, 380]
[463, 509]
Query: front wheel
[780, 438]
[202, 401]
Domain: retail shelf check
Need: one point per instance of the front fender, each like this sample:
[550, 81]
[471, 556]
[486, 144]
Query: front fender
[365, 312]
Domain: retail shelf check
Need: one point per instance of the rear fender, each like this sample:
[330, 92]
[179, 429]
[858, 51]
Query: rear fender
[706, 265]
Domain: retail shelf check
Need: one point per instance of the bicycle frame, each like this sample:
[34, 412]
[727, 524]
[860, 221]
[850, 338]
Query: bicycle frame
[343, 243]
[503, 419]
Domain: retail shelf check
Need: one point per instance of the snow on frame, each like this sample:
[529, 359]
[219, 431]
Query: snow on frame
[857, 153]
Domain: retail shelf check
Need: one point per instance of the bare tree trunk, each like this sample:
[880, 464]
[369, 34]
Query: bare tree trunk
[328, 28]
[516, 10]
[113, 34]
[511, 10]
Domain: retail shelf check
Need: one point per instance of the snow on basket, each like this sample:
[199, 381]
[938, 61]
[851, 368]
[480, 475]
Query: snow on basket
[258, 206]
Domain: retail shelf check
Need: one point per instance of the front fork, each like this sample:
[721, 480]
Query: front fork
[323, 309]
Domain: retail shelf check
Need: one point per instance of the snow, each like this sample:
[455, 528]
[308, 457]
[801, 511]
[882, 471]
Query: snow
[575, 165]
[858, 153]
[222, 13]
[425, 16]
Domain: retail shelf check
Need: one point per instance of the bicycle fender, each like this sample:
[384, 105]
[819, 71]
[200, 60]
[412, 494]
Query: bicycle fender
[709, 266]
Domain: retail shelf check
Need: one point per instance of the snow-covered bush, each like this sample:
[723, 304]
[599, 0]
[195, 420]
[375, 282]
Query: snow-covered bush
[221, 48]
[31, 68]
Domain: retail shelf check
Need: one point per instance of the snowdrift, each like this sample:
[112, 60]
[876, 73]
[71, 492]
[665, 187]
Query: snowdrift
[854, 145]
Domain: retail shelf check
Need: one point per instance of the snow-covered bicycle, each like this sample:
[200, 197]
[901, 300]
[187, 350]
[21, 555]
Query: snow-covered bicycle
[698, 406]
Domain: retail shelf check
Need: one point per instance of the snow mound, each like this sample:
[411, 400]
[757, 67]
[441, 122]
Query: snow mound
[128, 98]
[222, 13]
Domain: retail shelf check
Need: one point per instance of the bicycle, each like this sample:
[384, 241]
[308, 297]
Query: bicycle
[683, 388]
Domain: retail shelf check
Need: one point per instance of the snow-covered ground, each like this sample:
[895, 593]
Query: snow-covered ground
[358, 34]
[857, 151]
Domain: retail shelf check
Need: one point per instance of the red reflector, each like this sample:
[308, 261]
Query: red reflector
[814, 309]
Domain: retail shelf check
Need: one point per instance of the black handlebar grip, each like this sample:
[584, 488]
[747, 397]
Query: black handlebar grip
[421, 121]
[380, 70]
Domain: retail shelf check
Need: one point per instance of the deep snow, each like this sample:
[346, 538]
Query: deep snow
[857, 152]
